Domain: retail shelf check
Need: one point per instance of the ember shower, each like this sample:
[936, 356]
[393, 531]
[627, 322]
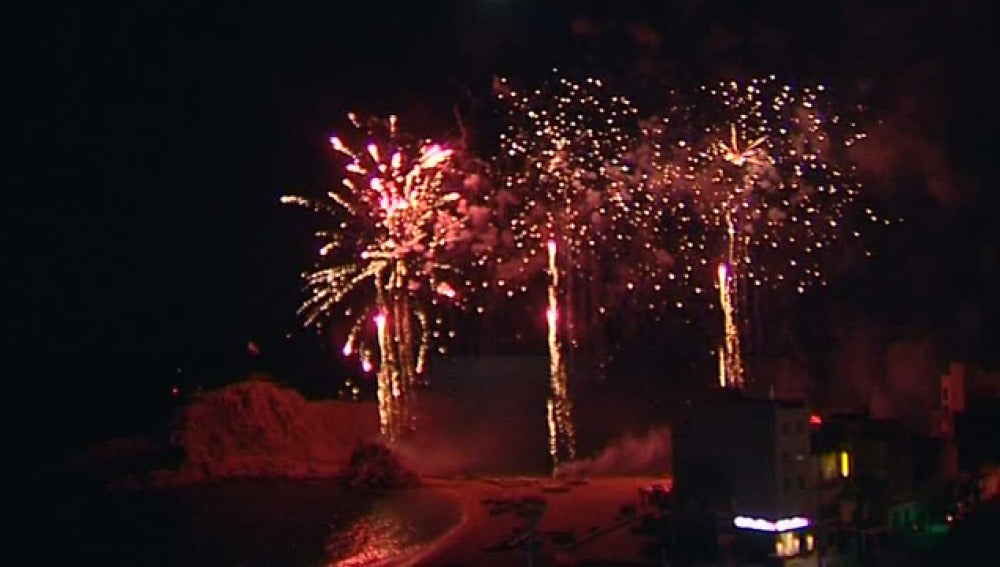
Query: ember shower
[396, 221]
[759, 184]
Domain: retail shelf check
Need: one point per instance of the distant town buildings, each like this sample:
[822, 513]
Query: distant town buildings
[777, 479]
[747, 463]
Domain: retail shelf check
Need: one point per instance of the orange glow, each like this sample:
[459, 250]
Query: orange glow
[730, 354]
[446, 290]
[397, 216]
[562, 437]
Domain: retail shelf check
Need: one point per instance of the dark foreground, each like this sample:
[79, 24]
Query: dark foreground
[235, 522]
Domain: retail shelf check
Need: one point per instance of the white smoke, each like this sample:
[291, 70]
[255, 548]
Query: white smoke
[631, 454]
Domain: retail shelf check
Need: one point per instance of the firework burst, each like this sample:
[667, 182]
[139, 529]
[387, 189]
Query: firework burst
[581, 213]
[755, 185]
[385, 263]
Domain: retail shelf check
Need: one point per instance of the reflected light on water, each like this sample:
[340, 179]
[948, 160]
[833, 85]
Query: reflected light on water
[372, 540]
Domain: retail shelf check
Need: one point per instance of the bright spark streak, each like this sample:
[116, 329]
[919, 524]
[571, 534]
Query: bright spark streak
[561, 430]
[398, 215]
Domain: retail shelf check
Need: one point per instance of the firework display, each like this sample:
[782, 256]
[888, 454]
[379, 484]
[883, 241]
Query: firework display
[385, 264]
[757, 192]
[582, 213]
[741, 188]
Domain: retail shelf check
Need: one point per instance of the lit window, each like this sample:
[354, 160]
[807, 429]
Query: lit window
[828, 466]
[787, 545]
[845, 464]
[810, 542]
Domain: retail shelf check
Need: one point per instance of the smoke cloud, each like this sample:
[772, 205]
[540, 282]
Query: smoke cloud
[630, 454]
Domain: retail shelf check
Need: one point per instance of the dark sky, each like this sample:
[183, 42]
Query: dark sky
[152, 142]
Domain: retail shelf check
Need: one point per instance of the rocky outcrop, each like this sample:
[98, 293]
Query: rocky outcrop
[259, 429]
[375, 467]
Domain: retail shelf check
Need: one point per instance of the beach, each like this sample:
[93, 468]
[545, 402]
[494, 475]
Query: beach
[584, 522]
[243, 522]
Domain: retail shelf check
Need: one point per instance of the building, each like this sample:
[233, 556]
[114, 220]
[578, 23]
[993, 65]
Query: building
[880, 486]
[746, 463]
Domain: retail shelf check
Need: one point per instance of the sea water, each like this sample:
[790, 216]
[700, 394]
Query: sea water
[241, 522]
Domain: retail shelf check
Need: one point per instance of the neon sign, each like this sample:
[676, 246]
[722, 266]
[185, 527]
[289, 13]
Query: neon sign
[761, 525]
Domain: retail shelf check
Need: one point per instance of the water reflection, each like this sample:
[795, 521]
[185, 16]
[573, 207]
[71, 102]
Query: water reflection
[239, 522]
[382, 535]
[393, 528]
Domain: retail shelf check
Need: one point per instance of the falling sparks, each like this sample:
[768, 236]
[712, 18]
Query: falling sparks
[615, 212]
[751, 180]
[730, 361]
[563, 151]
[562, 437]
[397, 221]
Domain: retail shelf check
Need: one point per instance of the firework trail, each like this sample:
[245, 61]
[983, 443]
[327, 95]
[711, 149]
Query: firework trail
[580, 213]
[756, 187]
[397, 221]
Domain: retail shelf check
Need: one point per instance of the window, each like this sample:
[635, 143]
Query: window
[828, 466]
[787, 545]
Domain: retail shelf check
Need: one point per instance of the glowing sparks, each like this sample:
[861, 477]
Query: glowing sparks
[730, 355]
[397, 223]
[562, 437]
[625, 211]
[446, 290]
[751, 153]
[563, 162]
[569, 158]
[752, 181]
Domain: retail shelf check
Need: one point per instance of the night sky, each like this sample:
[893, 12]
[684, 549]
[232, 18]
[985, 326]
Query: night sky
[151, 144]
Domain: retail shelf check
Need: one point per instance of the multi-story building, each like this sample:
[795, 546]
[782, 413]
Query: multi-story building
[746, 462]
[879, 484]
[951, 404]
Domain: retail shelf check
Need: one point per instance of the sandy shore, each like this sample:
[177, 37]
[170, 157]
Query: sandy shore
[589, 513]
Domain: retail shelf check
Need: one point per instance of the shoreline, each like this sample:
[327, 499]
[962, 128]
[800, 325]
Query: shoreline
[452, 534]
[401, 512]
[458, 520]
[590, 509]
